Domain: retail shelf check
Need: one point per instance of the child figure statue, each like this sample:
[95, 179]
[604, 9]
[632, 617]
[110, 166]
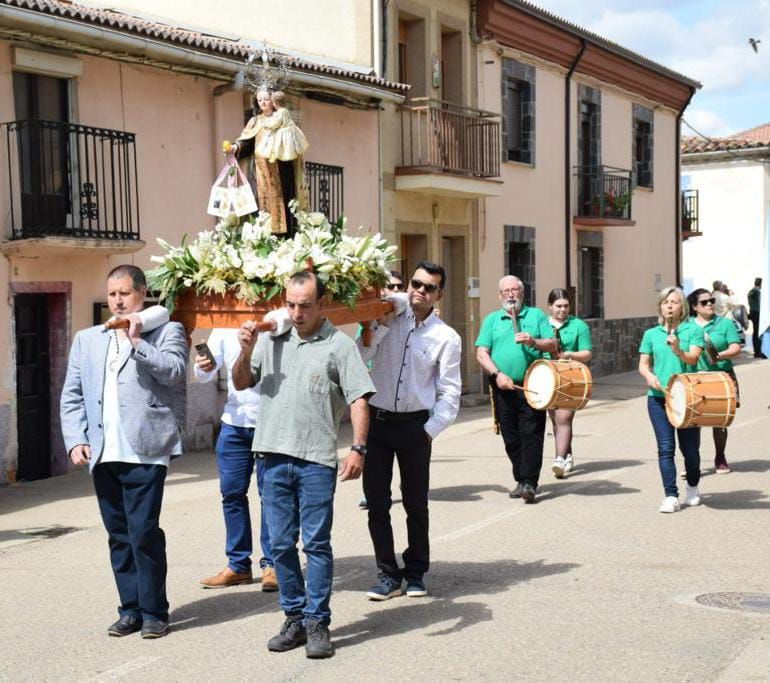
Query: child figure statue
[278, 147]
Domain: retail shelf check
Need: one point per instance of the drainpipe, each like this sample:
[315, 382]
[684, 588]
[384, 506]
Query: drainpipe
[567, 175]
[678, 192]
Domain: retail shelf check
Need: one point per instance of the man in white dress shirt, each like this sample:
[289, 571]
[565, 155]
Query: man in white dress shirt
[235, 462]
[416, 369]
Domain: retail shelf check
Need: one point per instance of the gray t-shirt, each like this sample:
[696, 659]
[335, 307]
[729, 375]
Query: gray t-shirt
[305, 385]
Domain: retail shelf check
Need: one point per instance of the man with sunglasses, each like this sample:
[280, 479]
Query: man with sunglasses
[510, 340]
[416, 370]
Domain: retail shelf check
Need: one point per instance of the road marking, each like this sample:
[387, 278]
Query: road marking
[489, 521]
[125, 669]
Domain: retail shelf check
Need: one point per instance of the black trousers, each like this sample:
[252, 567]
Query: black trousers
[755, 339]
[523, 432]
[409, 444]
[130, 498]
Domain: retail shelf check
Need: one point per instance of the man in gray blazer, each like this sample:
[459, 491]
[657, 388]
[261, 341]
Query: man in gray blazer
[122, 413]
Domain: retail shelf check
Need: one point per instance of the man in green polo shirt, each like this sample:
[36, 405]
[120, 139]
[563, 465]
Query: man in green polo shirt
[307, 375]
[510, 340]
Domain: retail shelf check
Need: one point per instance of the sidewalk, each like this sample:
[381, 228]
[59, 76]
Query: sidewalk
[591, 583]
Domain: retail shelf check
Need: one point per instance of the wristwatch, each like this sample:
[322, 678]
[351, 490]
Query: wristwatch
[360, 449]
[493, 378]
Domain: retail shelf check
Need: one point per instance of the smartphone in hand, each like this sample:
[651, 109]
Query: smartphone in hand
[204, 350]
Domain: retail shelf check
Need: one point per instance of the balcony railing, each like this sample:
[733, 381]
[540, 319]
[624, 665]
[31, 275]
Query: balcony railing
[325, 183]
[604, 192]
[71, 180]
[441, 137]
[690, 227]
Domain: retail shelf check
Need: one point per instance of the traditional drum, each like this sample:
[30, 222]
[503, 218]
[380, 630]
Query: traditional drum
[701, 399]
[557, 384]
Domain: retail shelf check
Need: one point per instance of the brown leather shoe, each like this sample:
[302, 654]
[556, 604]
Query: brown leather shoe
[227, 577]
[269, 580]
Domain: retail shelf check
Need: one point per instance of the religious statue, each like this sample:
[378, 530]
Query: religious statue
[277, 146]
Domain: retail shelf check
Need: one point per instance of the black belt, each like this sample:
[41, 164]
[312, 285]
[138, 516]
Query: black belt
[387, 416]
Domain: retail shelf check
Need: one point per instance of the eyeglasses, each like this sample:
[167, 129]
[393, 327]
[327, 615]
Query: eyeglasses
[395, 286]
[510, 290]
[419, 284]
[707, 302]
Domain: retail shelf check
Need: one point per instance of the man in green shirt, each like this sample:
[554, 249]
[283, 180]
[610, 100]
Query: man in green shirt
[307, 376]
[510, 340]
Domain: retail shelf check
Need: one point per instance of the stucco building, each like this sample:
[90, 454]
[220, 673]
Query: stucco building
[726, 209]
[519, 144]
[111, 137]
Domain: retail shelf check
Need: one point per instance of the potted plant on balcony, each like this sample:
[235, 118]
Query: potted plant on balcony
[615, 204]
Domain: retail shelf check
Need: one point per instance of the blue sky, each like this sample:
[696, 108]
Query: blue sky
[707, 40]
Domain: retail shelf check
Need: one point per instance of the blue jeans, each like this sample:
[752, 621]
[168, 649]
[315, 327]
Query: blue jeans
[689, 444]
[235, 461]
[299, 495]
[130, 498]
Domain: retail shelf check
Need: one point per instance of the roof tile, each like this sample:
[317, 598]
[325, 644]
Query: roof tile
[231, 48]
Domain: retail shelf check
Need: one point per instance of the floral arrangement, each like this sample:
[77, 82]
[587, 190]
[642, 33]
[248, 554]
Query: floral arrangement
[246, 258]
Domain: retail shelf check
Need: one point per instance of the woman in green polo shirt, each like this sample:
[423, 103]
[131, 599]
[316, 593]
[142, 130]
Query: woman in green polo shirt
[573, 337]
[668, 349]
[722, 344]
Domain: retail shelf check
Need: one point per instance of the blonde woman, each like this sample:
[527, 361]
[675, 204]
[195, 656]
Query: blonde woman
[667, 349]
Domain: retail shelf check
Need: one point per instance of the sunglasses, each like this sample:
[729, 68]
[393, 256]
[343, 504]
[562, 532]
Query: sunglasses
[419, 284]
[706, 302]
[394, 286]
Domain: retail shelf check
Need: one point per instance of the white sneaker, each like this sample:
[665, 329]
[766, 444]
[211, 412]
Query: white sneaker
[693, 496]
[558, 468]
[669, 504]
[568, 464]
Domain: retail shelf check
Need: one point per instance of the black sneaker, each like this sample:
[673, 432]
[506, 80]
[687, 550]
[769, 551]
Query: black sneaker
[291, 635]
[154, 629]
[528, 493]
[319, 644]
[516, 493]
[125, 626]
[387, 588]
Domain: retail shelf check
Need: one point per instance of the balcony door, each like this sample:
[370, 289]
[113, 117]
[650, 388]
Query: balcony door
[43, 167]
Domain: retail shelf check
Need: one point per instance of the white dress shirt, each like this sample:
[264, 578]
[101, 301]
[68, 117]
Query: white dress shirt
[242, 407]
[116, 446]
[416, 366]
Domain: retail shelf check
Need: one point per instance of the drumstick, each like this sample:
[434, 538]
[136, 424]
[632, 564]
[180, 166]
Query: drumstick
[529, 391]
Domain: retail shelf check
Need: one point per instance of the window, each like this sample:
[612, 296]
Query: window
[518, 93]
[643, 146]
[520, 258]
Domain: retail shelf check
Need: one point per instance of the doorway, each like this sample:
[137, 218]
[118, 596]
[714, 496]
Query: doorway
[33, 386]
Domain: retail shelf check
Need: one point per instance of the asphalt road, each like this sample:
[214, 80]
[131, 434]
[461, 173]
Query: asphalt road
[589, 583]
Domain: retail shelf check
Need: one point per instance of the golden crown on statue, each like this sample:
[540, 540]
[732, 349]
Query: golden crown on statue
[267, 70]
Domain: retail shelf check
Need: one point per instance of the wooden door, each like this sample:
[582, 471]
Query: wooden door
[33, 382]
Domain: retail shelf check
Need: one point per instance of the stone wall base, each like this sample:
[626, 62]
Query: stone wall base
[616, 343]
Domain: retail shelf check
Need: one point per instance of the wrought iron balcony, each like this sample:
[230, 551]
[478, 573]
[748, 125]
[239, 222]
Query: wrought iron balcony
[70, 180]
[604, 193]
[690, 227]
[441, 137]
[325, 183]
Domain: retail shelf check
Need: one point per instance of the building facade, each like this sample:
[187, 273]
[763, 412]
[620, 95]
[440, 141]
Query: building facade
[725, 210]
[112, 126]
[589, 171]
